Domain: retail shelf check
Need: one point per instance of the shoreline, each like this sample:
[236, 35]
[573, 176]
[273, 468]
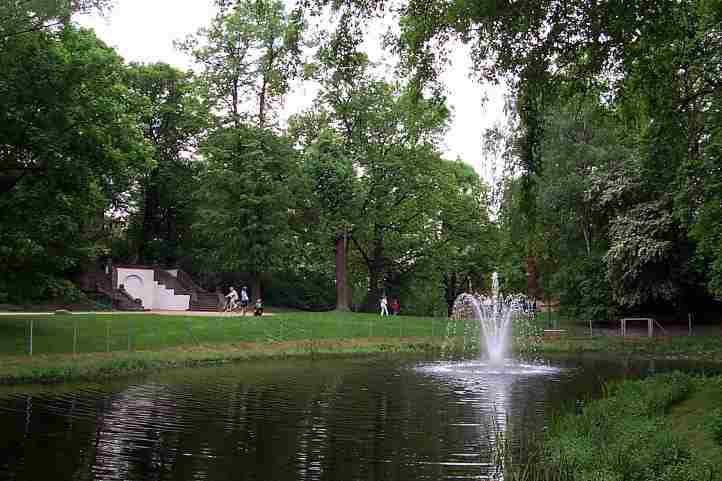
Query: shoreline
[59, 368]
[93, 346]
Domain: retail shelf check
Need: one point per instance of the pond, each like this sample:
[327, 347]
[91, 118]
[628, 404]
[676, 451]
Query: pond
[364, 418]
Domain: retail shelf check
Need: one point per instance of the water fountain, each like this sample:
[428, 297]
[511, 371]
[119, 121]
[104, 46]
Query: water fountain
[481, 326]
[488, 320]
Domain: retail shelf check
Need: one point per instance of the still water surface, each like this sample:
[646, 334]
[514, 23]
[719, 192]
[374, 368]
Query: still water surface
[381, 418]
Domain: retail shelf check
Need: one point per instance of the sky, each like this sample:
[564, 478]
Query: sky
[144, 31]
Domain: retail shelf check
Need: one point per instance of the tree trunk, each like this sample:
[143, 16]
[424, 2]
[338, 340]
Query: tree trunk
[532, 285]
[151, 205]
[264, 86]
[171, 239]
[376, 268]
[342, 291]
[256, 287]
[262, 105]
[373, 295]
[234, 107]
[450, 292]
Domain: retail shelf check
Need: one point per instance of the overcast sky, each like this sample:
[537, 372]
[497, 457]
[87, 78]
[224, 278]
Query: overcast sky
[144, 31]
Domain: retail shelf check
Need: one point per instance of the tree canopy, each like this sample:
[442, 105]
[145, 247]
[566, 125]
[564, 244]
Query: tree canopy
[611, 199]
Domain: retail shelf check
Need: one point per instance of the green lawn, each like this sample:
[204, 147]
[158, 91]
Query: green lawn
[88, 333]
[91, 345]
[699, 419]
[703, 348]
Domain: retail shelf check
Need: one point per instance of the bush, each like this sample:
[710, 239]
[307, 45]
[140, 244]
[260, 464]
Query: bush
[584, 290]
[307, 291]
[63, 290]
[39, 288]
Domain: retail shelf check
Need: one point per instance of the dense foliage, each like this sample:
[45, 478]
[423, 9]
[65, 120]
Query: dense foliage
[70, 146]
[614, 200]
[611, 200]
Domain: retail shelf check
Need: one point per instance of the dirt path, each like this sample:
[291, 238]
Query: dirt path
[161, 312]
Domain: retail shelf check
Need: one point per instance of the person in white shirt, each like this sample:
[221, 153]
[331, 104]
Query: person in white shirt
[384, 306]
[232, 298]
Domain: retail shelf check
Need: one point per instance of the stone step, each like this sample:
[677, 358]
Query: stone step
[206, 301]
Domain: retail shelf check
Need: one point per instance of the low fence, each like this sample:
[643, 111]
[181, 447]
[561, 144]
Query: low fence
[649, 327]
[77, 333]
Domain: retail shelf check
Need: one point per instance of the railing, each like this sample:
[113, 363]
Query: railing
[101, 282]
[188, 281]
[171, 282]
[80, 333]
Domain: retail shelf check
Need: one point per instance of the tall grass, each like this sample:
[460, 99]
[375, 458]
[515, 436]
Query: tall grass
[624, 436]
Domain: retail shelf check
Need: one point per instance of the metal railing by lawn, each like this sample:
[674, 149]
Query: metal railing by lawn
[97, 333]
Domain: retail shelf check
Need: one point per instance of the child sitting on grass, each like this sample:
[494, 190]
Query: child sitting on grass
[259, 307]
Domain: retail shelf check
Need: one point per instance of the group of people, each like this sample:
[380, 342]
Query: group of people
[395, 306]
[233, 303]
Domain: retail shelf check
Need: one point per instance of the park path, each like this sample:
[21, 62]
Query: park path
[161, 312]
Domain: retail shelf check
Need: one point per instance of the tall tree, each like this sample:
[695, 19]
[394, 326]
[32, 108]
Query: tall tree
[69, 148]
[247, 199]
[379, 164]
[248, 56]
[172, 119]
[27, 16]
[329, 158]
[582, 156]
[671, 79]
[658, 66]
[464, 249]
[334, 185]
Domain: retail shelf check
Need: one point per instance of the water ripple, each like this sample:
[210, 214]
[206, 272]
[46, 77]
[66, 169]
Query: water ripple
[352, 419]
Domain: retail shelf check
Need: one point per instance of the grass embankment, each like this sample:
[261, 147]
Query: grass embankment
[85, 346]
[665, 428]
[701, 348]
[99, 345]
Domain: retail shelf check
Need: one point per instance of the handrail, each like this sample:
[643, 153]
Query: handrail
[170, 281]
[188, 281]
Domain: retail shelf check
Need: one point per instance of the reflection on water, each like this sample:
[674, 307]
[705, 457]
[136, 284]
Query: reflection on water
[354, 419]
[504, 402]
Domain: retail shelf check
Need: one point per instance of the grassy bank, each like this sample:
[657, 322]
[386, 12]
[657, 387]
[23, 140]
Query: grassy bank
[668, 428]
[92, 333]
[51, 368]
[702, 348]
[43, 348]
[86, 346]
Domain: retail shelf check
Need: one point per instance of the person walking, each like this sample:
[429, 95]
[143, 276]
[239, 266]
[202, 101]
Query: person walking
[244, 299]
[395, 307]
[384, 305]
